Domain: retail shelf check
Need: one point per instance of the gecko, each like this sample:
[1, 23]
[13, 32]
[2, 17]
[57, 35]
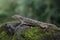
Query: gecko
[29, 21]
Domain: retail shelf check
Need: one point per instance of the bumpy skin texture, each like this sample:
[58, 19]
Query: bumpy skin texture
[30, 21]
[34, 22]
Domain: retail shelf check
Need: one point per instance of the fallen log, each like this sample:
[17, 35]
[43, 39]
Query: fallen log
[11, 27]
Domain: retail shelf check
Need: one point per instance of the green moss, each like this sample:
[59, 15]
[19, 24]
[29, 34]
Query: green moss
[14, 36]
[36, 33]
[4, 36]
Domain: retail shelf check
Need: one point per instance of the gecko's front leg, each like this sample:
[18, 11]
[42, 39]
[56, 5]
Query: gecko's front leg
[22, 22]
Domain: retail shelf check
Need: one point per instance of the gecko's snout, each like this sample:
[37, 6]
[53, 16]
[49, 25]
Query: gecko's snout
[16, 16]
[13, 17]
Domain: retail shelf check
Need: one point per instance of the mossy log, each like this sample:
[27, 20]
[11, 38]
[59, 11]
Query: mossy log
[28, 31]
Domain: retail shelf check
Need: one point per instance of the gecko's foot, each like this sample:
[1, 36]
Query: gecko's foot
[44, 25]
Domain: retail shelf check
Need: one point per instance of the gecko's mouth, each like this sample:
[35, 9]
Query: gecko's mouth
[14, 17]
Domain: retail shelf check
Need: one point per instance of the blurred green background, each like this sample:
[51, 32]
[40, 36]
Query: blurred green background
[42, 10]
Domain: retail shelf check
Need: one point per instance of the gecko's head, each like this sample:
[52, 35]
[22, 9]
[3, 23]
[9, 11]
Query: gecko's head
[17, 17]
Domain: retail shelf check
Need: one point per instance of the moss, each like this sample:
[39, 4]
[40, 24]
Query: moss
[36, 33]
[4, 36]
[14, 36]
